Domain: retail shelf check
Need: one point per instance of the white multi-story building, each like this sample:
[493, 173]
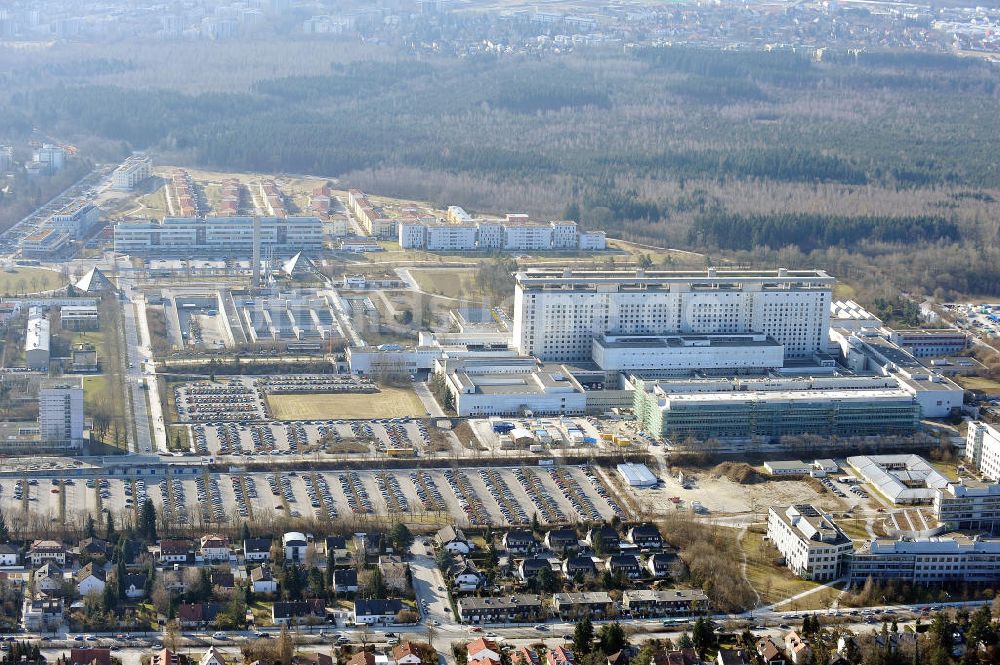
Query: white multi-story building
[593, 241]
[77, 220]
[558, 313]
[131, 172]
[490, 235]
[457, 237]
[218, 236]
[968, 506]
[982, 449]
[511, 386]
[525, 236]
[813, 546]
[411, 235]
[928, 560]
[564, 235]
[60, 414]
[51, 156]
[6, 158]
[683, 353]
[36, 340]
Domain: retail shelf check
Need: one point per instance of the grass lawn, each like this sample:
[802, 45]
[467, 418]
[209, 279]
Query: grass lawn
[450, 282]
[35, 279]
[989, 386]
[95, 386]
[389, 403]
[772, 582]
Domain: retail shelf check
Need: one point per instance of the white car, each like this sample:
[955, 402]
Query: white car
[219, 635]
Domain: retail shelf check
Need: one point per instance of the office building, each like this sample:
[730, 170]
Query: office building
[968, 506]
[774, 407]
[217, 237]
[684, 353]
[921, 561]
[131, 172]
[813, 546]
[79, 317]
[46, 243]
[557, 313]
[923, 343]
[982, 449]
[511, 386]
[51, 157]
[60, 414]
[76, 220]
[36, 340]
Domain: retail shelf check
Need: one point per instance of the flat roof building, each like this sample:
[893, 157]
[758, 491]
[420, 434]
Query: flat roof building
[637, 475]
[982, 448]
[60, 414]
[218, 236]
[131, 172]
[902, 479]
[558, 313]
[928, 560]
[511, 386]
[36, 340]
[685, 353]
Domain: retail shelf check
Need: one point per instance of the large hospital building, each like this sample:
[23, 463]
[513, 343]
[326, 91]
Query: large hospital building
[217, 237]
[558, 313]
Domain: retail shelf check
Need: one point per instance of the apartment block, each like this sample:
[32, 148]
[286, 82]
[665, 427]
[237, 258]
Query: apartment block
[813, 546]
[131, 172]
[968, 506]
[557, 313]
[218, 237]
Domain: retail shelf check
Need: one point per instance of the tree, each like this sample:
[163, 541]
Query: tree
[4, 531]
[981, 630]
[583, 636]
[703, 636]
[109, 527]
[400, 536]
[443, 559]
[147, 521]
[612, 638]
[90, 530]
[685, 642]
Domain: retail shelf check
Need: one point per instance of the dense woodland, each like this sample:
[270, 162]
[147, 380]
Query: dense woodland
[855, 161]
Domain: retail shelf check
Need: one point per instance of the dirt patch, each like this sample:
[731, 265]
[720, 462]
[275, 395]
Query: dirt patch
[738, 472]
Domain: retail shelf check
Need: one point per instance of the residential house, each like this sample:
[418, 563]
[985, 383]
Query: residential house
[9, 555]
[175, 551]
[41, 613]
[571, 606]
[89, 656]
[769, 652]
[212, 656]
[262, 580]
[464, 575]
[223, 579]
[529, 569]
[295, 544]
[731, 657]
[524, 655]
[345, 580]
[165, 657]
[311, 658]
[621, 657]
[453, 539]
[797, 648]
[198, 615]
[370, 542]
[173, 580]
[135, 585]
[376, 610]
[90, 579]
[677, 657]
[482, 651]
[337, 545]
[624, 564]
[559, 655]
[579, 565]
[407, 653]
[297, 611]
[562, 540]
[44, 551]
[394, 573]
[645, 536]
[663, 602]
[523, 608]
[362, 658]
[604, 539]
[518, 541]
[49, 579]
[257, 549]
[94, 547]
[661, 564]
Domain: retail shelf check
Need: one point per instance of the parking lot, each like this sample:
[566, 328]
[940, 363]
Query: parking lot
[493, 495]
[206, 401]
[403, 437]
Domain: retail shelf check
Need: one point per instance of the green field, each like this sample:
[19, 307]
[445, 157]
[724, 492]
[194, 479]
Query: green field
[389, 403]
[448, 282]
[29, 280]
